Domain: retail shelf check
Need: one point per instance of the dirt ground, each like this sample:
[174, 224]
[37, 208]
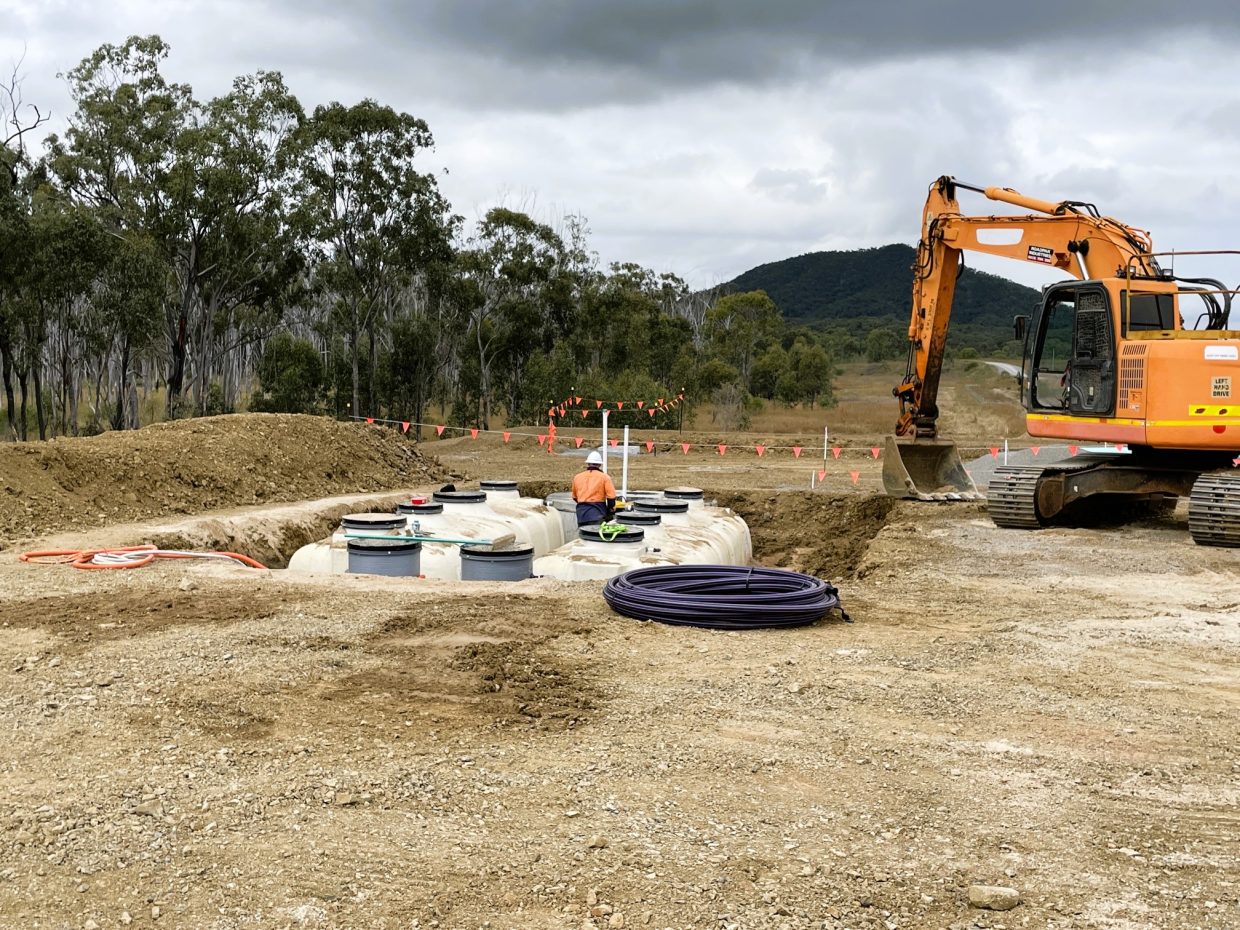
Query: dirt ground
[198, 746]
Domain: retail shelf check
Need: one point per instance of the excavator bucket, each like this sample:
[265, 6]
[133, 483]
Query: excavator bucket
[926, 470]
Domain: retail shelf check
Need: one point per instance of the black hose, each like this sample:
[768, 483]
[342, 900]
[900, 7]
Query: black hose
[721, 597]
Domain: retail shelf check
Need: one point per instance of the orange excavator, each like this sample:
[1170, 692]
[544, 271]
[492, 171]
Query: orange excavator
[1124, 353]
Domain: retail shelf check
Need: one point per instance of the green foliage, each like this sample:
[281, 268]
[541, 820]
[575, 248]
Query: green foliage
[290, 376]
[843, 292]
[884, 343]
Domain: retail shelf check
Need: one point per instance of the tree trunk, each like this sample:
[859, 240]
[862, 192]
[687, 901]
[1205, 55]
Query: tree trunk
[6, 362]
[21, 387]
[119, 419]
[40, 414]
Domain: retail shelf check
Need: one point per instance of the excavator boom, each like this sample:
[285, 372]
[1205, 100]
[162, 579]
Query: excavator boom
[1068, 235]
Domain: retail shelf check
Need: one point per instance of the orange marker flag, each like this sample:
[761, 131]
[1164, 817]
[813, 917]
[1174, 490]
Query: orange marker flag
[836, 451]
[583, 414]
[578, 441]
[994, 452]
[874, 451]
[761, 450]
[640, 404]
[649, 445]
[578, 400]
[404, 426]
[723, 449]
[439, 430]
[550, 411]
[856, 475]
[507, 436]
[1072, 450]
[473, 433]
[684, 447]
[650, 410]
[822, 475]
[660, 401]
[619, 405]
[597, 404]
[796, 452]
[542, 438]
[370, 420]
[614, 442]
[1035, 449]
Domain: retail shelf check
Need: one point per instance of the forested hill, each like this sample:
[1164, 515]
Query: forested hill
[830, 286]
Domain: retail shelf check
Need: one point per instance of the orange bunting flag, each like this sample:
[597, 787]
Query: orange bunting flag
[578, 440]
[507, 436]
[822, 475]
[640, 404]
[542, 438]
[438, 430]
[723, 449]
[1123, 446]
[649, 446]
[651, 411]
[684, 447]
[370, 420]
[583, 414]
[473, 433]
[550, 411]
[619, 405]
[874, 451]
[835, 451]
[578, 400]
[855, 475]
[761, 450]
[796, 452]
[660, 401]
[614, 442]
[404, 426]
[1035, 449]
[597, 404]
[1071, 450]
[994, 452]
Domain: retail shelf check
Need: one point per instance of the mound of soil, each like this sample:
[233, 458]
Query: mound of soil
[821, 534]
[189, 466]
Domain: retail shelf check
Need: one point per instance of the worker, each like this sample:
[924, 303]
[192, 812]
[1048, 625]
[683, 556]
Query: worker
[594, 492]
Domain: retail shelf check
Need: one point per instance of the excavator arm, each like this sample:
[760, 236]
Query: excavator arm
[1069, 236]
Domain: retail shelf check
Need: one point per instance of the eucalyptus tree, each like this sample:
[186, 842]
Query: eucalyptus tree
[506, 272]
[378, 222]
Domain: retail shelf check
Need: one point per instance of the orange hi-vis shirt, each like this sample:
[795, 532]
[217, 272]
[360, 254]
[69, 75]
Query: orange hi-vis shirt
[593, 487]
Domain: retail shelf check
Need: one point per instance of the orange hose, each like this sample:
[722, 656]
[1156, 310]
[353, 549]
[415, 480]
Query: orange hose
[83, 558]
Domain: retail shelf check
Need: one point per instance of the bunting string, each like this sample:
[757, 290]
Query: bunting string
[552, 437]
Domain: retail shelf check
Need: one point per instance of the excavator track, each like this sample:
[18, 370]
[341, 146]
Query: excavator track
[1012, 497]
[1214, 510]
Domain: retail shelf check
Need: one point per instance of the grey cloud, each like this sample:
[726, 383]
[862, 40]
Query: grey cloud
[559, 53]
[791, 184]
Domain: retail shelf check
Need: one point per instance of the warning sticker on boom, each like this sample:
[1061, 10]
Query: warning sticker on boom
[1040, 253]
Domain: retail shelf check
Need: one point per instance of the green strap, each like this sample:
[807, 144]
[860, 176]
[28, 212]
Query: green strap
[609, 531]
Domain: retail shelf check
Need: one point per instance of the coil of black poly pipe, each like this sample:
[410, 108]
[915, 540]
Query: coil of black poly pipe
[721, 597]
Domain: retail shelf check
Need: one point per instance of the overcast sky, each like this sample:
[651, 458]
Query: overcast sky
[708, 137]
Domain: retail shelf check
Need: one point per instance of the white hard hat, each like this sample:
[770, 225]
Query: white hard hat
[594, 459]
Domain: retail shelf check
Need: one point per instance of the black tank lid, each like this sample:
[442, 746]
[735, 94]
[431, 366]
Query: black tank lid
[663, 506]
[419, 508]
[461, 497]
[591, 532]
[383, 546]
[498, 485]
[683, 494]
[372, 521]
[638, 518]
[487, 551]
